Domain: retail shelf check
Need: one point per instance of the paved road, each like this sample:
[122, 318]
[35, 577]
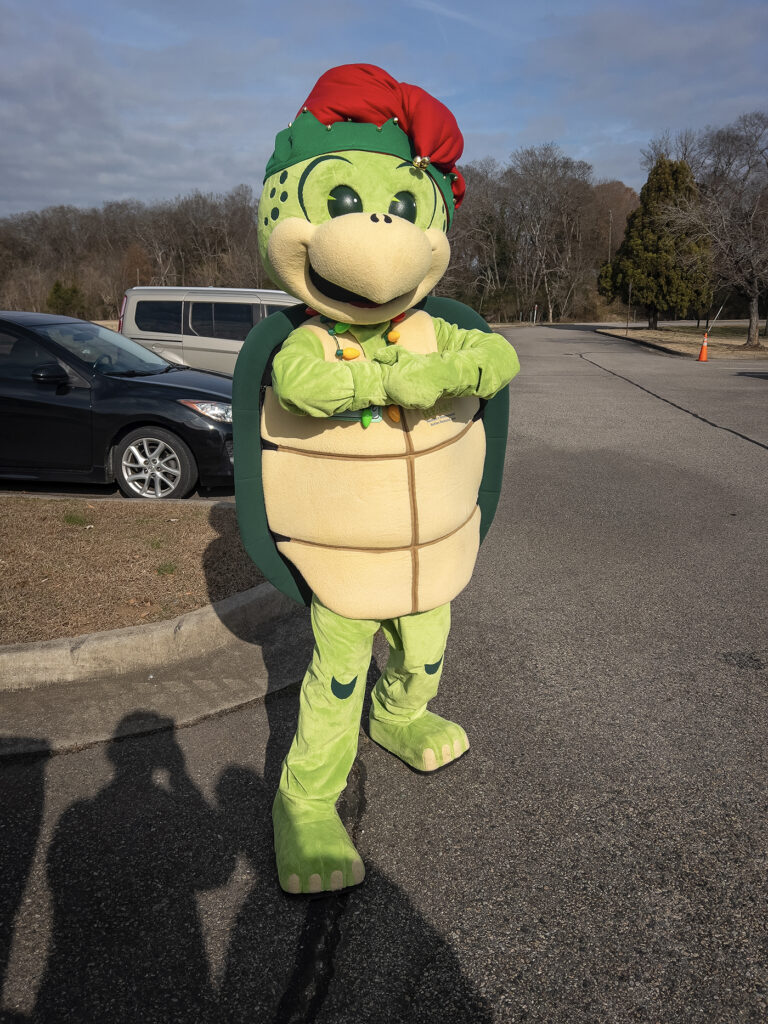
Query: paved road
[600, 855]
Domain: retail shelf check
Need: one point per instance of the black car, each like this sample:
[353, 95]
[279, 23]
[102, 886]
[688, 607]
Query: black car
[81, 403]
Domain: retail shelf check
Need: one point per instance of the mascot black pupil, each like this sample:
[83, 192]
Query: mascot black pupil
[344, 199]
[404, 205]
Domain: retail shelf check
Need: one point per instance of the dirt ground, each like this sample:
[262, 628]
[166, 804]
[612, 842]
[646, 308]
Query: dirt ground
[724, 344]
[73, 565]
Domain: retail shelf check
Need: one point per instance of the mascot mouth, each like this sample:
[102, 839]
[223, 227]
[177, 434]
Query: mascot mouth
[335, 291]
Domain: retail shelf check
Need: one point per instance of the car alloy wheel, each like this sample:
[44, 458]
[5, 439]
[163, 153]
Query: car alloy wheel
[153, 463]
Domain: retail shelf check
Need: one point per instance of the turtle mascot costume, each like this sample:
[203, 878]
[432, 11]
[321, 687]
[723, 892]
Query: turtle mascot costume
[370, 425]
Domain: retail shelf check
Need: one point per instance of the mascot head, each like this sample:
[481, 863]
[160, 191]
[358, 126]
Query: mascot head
[359, 194]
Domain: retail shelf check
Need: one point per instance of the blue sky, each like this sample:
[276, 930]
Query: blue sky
[149, 99]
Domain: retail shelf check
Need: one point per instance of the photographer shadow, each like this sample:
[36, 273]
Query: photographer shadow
[128, 942]
[124, 869]
[22, 798]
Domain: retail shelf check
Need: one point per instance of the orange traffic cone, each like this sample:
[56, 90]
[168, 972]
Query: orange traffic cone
[703, 351]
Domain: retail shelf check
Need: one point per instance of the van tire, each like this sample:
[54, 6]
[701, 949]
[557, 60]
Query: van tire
[151, 462]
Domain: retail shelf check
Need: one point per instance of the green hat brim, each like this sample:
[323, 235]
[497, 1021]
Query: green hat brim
[306, 137]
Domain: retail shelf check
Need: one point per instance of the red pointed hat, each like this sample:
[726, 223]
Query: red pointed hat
[367, 96]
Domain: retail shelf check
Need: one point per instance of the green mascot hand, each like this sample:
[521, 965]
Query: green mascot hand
[415, 381]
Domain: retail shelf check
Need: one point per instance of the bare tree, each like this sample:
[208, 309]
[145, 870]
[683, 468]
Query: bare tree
[731, 210]
[685, 145]
[548, 195]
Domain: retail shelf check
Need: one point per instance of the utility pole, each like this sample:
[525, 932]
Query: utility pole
[610, 233]
[629, 306]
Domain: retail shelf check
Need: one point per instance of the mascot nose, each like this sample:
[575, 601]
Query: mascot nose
[356, 253]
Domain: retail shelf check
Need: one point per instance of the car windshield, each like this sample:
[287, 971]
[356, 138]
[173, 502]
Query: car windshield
[104, 350]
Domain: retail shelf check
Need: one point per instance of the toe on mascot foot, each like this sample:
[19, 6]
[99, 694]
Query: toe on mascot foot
[370, 423]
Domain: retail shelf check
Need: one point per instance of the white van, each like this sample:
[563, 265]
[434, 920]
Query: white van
[200, 327]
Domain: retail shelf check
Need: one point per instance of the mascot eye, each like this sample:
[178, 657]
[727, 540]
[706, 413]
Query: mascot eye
[344, 199]
[404, 205]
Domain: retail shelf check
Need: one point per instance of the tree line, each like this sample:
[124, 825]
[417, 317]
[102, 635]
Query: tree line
[79, 262]
[700, 234]
[532, 232]
[537, 235]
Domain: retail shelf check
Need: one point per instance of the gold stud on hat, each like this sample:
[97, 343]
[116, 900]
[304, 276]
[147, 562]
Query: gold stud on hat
[421, 163]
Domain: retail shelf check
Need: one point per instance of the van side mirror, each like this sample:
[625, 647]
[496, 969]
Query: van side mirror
[50, 373]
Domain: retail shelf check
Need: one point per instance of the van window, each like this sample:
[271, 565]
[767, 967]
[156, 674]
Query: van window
[227, 320]
[274, 309]
[160, 316]
[201, 318]
[232, 320]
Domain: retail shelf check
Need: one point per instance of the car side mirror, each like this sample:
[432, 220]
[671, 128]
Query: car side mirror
[50, 373]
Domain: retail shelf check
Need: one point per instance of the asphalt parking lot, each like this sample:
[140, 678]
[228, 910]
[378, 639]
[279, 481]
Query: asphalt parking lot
[600, 854]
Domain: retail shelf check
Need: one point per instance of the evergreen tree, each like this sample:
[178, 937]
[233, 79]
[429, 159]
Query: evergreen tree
[667, 273]
[67, 301]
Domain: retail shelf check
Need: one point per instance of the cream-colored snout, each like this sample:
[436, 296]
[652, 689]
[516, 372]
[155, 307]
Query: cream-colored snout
[376, 255]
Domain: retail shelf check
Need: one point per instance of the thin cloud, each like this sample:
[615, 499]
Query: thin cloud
[448, 12]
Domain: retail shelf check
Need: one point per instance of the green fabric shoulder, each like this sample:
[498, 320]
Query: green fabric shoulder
[468, 362]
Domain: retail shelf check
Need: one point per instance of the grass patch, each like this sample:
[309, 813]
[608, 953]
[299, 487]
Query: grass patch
[733, 335]
[75, 519]
[101, 578]
[688, 340]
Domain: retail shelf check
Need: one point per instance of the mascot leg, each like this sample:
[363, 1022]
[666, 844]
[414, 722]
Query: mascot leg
[399, 720]
[312, 848]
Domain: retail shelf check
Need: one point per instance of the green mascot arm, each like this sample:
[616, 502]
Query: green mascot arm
[306, 384]
[491, 355]
[468, 362]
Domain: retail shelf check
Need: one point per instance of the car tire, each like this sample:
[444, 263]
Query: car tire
[150, 462]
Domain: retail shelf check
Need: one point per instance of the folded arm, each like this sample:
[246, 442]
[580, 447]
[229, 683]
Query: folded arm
[466, 363]
[306, 383]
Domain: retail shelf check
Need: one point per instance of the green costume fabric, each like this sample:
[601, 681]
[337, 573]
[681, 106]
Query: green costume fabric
[352, 219]
[466, 363]
[313, 850]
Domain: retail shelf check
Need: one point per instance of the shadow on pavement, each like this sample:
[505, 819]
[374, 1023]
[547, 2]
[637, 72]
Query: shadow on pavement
[21, 815]
[125, 869]
[225, 563]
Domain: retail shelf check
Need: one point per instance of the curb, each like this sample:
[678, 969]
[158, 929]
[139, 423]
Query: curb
[641, 341]
[119, 651]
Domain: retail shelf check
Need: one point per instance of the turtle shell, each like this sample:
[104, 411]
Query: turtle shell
[254, 364]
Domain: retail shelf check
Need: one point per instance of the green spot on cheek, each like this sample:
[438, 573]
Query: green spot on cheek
[266, 222]
[272, 193]
[284, 177]
[275, 213]
[283, 196]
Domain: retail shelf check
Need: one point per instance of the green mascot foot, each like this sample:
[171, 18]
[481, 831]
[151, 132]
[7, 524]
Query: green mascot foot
[426, 743]
[314, 853]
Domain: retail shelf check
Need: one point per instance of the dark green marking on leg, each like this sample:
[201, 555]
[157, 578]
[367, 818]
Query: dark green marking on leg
[431, 669]
[342, 690]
